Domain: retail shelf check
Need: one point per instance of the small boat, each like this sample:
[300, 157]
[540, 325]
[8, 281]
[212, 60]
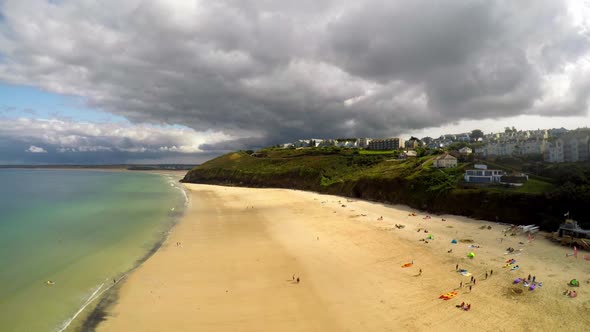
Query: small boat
[50, 282]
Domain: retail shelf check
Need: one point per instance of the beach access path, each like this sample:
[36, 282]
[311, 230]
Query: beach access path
[229, 266]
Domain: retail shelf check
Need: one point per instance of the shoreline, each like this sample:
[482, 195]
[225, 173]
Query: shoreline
[267, 233]
[90, 320]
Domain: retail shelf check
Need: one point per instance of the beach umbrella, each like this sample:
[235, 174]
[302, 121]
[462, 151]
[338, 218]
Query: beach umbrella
[430, 237]
[454, 241]
[471, 255]
[574, 282]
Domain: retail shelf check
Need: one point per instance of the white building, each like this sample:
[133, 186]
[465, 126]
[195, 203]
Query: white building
[483, 175]
[465, 150]
[347, 143]
[363, 143]
[408, 154]
[445, 161]
[568, 149]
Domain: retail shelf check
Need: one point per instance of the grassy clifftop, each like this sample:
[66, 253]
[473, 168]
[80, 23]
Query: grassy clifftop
[381, 177]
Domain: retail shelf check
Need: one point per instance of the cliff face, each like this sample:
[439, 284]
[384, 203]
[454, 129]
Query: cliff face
[377, 178]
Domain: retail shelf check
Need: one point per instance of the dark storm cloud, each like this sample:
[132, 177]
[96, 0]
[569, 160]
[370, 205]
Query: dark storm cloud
[267, 72]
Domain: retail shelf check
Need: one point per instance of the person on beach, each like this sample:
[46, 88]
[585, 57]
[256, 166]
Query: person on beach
[534, 277]
[491, 272]
[474, 281]
[470, 288]
[297, 279]
[114, 281]
[486, 276]
[457, 267]
[461, 284]
[529, 278]
[420, 273]
[293, 277]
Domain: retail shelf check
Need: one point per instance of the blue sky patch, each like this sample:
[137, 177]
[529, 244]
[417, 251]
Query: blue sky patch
[24, 101]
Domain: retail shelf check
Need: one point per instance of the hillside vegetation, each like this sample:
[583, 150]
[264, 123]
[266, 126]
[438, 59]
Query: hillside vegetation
[382, 177]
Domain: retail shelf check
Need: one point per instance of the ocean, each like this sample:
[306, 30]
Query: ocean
[80, 229]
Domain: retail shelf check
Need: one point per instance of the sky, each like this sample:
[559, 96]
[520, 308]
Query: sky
[162, 81]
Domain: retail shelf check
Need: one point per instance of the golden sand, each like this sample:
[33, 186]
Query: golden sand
[240, 247]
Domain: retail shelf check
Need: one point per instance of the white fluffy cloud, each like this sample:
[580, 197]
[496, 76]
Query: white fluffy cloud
[110, 139]
[264, 72]
[35, 149]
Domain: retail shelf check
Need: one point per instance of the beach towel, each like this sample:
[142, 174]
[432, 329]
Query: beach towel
[514, 268]
[407, 265]
[517, 280]
[448, 296]
[465, 273]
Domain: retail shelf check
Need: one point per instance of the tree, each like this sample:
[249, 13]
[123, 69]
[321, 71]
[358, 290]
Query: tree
[510, 130]
[476, 133]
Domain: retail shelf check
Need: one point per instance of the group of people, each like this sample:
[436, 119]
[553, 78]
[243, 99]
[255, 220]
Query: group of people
[464, 306]
[296, 279]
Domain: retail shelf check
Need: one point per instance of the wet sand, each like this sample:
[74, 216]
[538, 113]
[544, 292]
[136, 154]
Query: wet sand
[238, 249]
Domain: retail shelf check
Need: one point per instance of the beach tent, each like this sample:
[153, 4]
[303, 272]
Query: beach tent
[454, 241]
[574, 282]
[471, 255]
[430, 237]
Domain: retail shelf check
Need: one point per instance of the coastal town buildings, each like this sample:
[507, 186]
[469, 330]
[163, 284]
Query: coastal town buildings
[363, 143]
[386, 144]
[568, 148]
[412, 143]
[553, 145]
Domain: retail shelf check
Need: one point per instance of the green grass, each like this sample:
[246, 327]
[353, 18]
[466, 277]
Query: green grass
[332, 166]
[376, 152]
[532, 186]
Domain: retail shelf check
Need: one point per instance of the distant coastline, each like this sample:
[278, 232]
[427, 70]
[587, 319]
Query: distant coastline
[130, 167]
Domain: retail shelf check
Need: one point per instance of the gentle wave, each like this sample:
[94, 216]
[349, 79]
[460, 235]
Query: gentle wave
[95, 295]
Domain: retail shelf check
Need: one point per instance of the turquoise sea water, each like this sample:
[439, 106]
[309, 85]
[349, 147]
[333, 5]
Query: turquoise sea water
[81, 229]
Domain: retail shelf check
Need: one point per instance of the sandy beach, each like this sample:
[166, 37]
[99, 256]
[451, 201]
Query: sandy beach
[230, 262]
